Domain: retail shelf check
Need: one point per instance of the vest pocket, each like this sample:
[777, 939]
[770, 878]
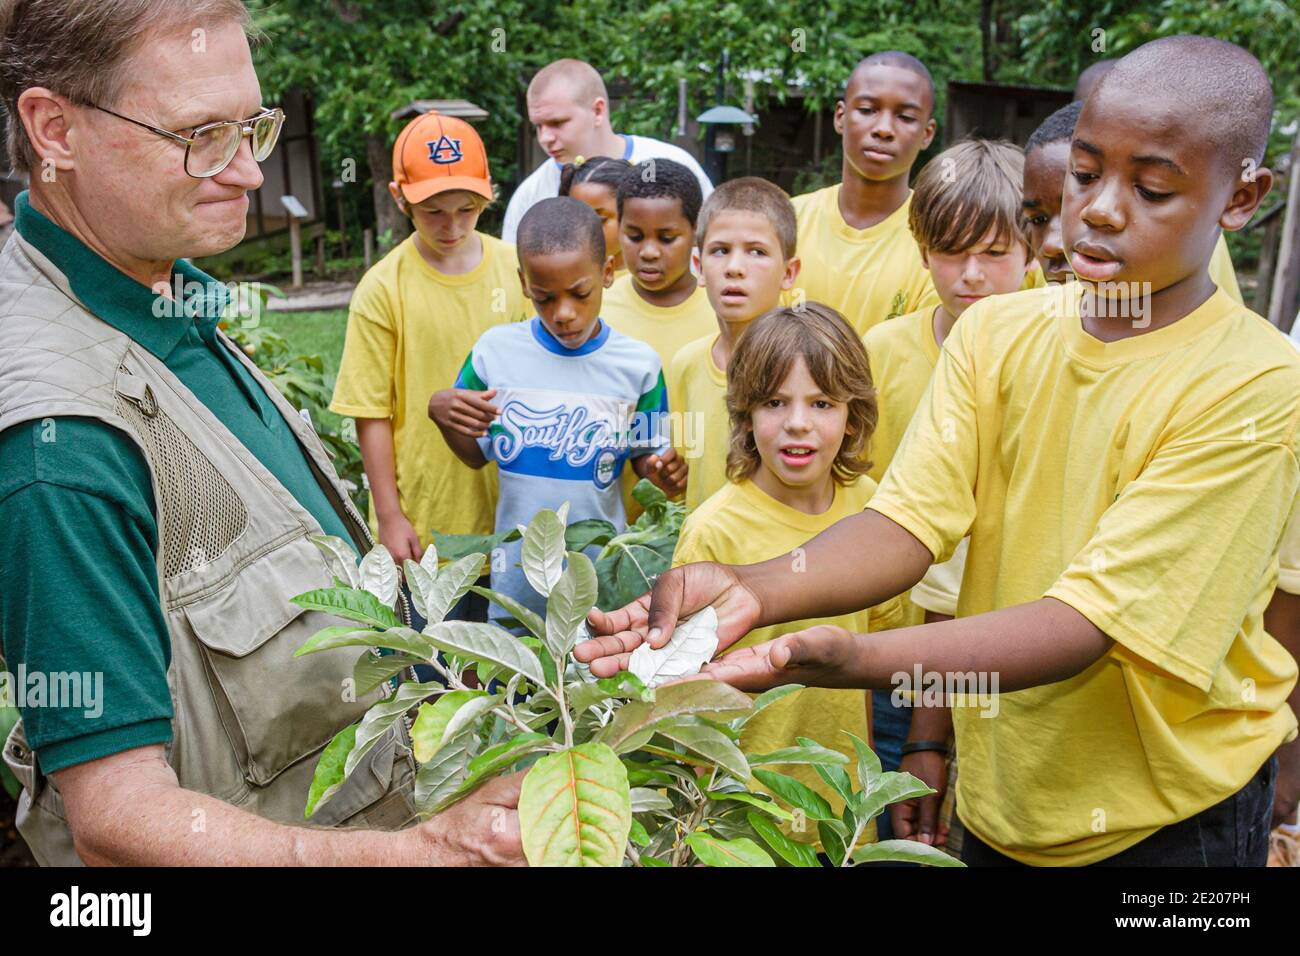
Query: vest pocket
[276, 709]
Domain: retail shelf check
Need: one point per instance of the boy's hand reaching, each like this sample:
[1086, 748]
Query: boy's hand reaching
[820, 656]
[678, 593]
[666, 470]
[398, 535]
[464, 410]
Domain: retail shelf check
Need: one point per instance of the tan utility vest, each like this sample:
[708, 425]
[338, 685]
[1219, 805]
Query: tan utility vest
[249, 719]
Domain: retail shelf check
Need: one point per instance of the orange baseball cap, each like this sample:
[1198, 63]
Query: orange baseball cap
[436, 153]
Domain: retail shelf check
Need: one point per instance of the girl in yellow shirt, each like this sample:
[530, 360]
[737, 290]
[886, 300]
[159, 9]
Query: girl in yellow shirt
[802, 407]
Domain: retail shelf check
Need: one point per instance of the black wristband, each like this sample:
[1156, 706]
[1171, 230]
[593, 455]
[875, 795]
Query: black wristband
[920, 746]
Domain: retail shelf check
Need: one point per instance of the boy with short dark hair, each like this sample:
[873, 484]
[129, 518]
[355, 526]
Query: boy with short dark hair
[859, 257]
[747, 235]
[1122, 452]
[660, 300]
[563, 401]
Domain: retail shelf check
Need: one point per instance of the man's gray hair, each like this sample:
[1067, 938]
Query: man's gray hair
[81, 49]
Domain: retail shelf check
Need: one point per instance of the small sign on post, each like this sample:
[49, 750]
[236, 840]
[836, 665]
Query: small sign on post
[297, 213]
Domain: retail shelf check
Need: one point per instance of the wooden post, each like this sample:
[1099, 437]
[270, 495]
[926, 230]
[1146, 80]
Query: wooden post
[296, 213]
[368, 246]
[295, 250]
[320, 256]
[1267, 263]
[1286, 282]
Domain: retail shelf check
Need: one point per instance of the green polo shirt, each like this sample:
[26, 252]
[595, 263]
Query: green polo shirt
[79, 587]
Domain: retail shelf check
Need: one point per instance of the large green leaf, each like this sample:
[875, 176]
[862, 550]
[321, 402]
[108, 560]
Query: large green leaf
[451, 584]
[428, 733]
[833, 841]
[709, 743]
[329, 769]
[704, 697]
[739, 852]
[396, 638]
[767, 806]
[869, 769]
[528, 618]
[646, 800]
[419, 579]
[891, 788]
[575, 808]
[766, 699]
[569, 603]
[380, 718]
[808, 754]
[793, 852]
[379, 574]
[796, 794]
[438, 782]
[373, 669]
[341, 557]
[590, 531]
[349, 603]
[542, 553]
[454, 546]
[904, 851]
[486, 642]
[507, 752]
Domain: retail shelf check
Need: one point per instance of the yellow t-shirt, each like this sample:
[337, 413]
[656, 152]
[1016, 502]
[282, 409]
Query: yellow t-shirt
[409, 330]
[665, 330]
[697, 399]
[902, 353]
[1145, 483]
[868, 275]
[741, 524]
[1222, 272]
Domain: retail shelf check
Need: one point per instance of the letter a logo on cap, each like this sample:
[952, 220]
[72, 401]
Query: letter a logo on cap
[444, 151]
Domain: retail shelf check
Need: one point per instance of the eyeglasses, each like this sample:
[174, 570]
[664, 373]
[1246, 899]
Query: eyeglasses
[210, 148]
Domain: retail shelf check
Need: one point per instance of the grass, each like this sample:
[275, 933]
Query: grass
[312, 333]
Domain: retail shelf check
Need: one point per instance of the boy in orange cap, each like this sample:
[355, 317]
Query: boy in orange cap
[413, 318]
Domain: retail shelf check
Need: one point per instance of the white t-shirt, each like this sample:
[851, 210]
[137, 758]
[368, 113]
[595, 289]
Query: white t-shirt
[544, 181]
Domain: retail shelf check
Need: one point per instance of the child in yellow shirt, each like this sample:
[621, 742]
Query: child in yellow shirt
[747, 258]
[660, 301]
[965, 218]
[413, 318]
[801, 406]
[1122, 452]
[859, 257]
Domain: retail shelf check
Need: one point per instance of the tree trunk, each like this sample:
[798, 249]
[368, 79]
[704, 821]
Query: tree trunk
[387, 215]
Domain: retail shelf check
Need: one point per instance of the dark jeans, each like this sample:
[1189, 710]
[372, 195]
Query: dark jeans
[1231, 833]
[889, 728]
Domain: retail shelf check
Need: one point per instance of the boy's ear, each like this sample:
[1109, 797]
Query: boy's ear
[930, 128]
[697, 270]
[791, 272]
[608, 272]
[523, 283]
[925, 258]
[839, 117]
[395, 191]
[1246, 198]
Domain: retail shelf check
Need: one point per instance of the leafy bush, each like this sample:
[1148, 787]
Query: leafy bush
[628, 561]
[302, 380]
[616, 773]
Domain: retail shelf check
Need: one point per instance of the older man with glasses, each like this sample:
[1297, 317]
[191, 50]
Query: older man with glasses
[157, 495]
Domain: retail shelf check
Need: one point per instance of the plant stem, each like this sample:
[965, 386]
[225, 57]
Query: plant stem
[681, 849]
[507, 714]
[559, 699]
[853, 841]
